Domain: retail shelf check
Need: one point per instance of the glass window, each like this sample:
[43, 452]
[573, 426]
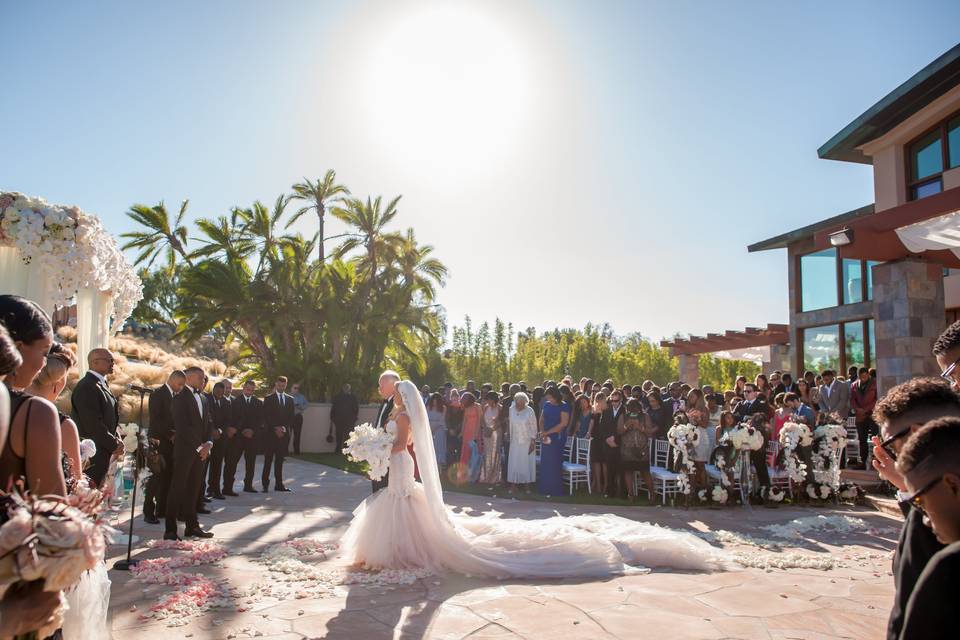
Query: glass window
[870, 265]
[853, 344]
[852, 279]
[926, 155]
[872, 341]
[821, 348]
[953, 142]
[818, 280]
[926, 189]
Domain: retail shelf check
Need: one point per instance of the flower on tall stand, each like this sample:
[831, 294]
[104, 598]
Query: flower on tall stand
[794, 435]
[683, 438]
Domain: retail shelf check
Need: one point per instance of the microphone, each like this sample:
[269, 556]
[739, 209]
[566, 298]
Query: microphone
[138, 388]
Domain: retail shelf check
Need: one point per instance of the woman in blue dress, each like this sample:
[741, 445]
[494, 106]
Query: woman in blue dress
[554, 420]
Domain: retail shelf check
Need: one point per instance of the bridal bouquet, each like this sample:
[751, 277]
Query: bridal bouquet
[53, 539]
[744, 438]
[371, 446]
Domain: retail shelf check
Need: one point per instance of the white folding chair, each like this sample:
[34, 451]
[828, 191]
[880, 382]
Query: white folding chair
[577, 471]
[568, 449]
[665, 482]
[853, 442]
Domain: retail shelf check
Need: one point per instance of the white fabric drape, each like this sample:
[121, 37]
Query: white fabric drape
[942, 232]
[27, 280]
[93, 323]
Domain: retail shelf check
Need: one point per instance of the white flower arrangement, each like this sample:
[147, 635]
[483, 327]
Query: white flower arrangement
[850, 492]
[819, 490]
[130, 434]
[744, 437]
[372, 446]
[73, 249]
[683, 438]
[829, 441]
[792, 436]
[775, 494]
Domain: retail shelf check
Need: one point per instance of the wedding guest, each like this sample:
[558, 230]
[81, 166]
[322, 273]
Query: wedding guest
[161, 432]
[554, 421]
[810, 397]
[278, 423]
[863, 399]
[503, 420]
[96, 412]
[522, 461]
[299, 406]
[635, 431]
[705, 445]
[537, 400]
[469, 437]
[674, 400]
[900, 413]
[758, 458]
[714, 409]
[834, 395]
[787, 383]
[728, 422]
[246, 413]
[799, 409]
[491, 470]
[782, 414]
[438, 427]
[9, 361]
[190, 450]
[852, 374]
[740, 385]
[49, 384]
[930, 465]
[763, 387]
[343, 413]
[32, 451]
[582, 417]
[660, 415]
[753, 403]
[219, 405]
[453, 417]
[947, 352]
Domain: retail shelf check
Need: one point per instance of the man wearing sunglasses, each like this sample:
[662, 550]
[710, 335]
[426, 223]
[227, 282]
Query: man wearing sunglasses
[903, 411]
[947, 352]
[930, 464]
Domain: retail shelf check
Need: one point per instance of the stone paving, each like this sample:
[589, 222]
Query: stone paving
[850, 600]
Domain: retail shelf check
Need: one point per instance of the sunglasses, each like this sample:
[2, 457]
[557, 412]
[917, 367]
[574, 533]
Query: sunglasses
[917, 500]
[885, 445]
[947, 374]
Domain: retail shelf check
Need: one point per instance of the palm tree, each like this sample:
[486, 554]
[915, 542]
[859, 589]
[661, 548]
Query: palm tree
[369, 220]
[160, 236]
[318, 195]
[223, 239]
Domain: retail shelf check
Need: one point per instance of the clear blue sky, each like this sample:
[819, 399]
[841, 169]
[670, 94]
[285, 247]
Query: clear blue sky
[627, 151]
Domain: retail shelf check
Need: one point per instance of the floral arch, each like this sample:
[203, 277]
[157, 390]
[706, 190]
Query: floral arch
[57, 255]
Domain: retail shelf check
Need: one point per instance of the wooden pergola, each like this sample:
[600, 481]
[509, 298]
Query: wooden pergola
[687, 350]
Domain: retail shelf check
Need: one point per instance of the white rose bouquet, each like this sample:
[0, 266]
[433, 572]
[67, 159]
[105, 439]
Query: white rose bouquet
[744, 437]
[371, 446]
[792, 436]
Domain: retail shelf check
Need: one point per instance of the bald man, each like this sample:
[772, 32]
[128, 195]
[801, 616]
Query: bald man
[96, 412]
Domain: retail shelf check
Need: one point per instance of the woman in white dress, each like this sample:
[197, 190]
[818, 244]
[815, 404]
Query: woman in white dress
[408, 526]
[522, 461]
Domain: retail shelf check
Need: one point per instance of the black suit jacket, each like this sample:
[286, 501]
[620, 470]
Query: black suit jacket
[277, 415]
[190, 423]
[95, 412]
[345, 409]
[930, 610]
[247, 415]
[384, 414]
[219, 412]
[917, 545]
[161, 415]
[743, 412]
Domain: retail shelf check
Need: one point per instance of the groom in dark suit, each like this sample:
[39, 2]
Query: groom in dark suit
[95, 410]
[278, 412]
[191, 447]
[386, 387]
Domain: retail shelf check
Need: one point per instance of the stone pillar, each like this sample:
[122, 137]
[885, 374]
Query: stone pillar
[908, 311]
[779, 360]
[689, 367]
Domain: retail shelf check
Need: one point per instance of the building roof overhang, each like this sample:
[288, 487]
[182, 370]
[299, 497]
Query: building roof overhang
[918, 91]
[729, 340]
[783, 240]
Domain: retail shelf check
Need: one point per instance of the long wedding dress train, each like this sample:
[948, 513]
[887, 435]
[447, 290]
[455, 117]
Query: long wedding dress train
[408, 526]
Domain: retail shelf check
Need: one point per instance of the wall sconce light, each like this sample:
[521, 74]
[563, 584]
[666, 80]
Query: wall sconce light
[841, 238]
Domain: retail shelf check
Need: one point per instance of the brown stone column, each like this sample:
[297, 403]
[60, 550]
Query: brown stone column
[689, 367]
[908, 311]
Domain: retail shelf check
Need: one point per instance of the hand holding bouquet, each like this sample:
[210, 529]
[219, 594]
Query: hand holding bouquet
[368, 444]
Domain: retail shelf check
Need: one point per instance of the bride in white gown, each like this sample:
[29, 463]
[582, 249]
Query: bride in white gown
[408, 526]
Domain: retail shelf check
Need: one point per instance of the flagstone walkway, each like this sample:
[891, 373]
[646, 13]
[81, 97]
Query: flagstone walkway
[850, 600]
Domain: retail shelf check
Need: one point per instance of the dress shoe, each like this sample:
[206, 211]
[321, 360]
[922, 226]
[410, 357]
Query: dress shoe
[167, 535]
[218, 496]
[250, 490]
[204, 511]
[198, 533]
[282, 489]
[151, 519]
[230, 492]
[207, 499]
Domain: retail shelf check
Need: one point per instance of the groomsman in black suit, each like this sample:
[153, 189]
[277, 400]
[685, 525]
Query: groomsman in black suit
[247, 415]
[95, 410]
[190, 449]
[219, 405]
[387, 387]
[751, 406]
[278, 416]
[161, 430]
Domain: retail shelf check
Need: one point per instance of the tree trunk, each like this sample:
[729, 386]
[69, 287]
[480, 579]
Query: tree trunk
[320, 212]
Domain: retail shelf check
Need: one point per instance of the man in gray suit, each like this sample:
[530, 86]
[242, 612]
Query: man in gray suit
[834, 395]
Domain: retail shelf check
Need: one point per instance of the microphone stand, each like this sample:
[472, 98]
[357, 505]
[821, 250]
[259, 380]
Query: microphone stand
[124, 565]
